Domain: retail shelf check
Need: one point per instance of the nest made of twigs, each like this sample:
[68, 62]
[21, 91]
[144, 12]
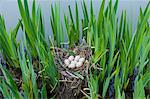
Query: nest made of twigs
[72, 80]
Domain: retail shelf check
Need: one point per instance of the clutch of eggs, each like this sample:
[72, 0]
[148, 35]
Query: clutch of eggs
[73, 62]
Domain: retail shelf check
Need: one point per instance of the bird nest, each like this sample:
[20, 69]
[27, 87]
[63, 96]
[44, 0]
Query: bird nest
[72, 81]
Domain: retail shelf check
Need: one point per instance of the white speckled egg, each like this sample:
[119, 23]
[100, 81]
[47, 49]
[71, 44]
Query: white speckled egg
[71, 58]
[72, 66]
[79, 64]
[67, 62]
[74, 62]
[82, 60]
[77, 58]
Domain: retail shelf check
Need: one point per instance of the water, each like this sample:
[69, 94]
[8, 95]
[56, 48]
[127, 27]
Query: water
[9, 9]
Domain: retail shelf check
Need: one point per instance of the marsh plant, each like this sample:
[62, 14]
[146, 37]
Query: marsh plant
[8, 43]
[116, 57]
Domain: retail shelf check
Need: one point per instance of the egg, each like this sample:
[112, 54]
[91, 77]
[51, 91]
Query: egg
[67, 62]
[79, 64]
[82, 60]
[77, 58]
[72, 66]
[74, 62]
[71, 58]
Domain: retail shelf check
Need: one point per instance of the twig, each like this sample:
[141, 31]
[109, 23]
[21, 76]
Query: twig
[85, 93]
[72, 75]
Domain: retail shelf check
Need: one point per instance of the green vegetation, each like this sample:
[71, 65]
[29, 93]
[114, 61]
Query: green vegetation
[119, 66]
[8, 43]
[33, 25]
